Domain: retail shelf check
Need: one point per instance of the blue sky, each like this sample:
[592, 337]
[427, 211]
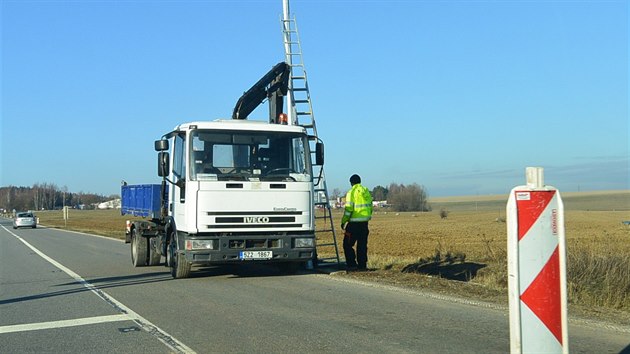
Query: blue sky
[458, 96]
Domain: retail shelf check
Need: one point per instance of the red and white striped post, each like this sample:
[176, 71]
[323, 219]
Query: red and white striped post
[537, 268]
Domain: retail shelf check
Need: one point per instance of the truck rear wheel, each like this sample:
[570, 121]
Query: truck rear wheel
[180, 268]
[154, 256]
[139, 249]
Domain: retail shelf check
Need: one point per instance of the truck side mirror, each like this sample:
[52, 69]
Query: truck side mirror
[161, 145]
[319, 154]
[163, 165]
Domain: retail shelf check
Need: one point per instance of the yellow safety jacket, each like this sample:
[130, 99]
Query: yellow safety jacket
[358, 205]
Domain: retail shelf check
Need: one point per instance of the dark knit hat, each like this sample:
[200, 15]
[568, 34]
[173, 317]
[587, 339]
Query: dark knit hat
[355, 179]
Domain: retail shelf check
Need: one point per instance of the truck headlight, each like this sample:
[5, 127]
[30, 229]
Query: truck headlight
[200, 245]
[304, 243]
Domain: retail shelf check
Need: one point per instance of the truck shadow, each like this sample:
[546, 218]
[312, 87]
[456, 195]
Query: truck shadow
[245, 271]
[76, 287]
[458, 270]
[103, 283]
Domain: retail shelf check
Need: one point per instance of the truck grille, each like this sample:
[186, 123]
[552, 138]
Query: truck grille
[254, 220]
[254, 243]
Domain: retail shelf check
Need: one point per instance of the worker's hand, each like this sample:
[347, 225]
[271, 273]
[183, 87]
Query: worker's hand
[343, 226]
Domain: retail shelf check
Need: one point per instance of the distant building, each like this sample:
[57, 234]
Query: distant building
[112, 204]
[380, 204]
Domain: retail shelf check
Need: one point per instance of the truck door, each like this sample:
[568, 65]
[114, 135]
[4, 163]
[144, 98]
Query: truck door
[178, 189]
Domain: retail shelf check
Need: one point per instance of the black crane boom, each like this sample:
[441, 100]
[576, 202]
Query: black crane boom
[273, 85]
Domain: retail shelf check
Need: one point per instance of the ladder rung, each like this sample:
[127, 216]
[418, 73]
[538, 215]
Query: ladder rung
[323, 218]
[327, 258]
[298, 77]
[300, 101]
[303, 113]
[299, 89]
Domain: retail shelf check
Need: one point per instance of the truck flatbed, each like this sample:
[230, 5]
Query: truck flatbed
[141, 200]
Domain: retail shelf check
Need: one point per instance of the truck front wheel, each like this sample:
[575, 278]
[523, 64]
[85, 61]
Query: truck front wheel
[180, 268]
[139, 248]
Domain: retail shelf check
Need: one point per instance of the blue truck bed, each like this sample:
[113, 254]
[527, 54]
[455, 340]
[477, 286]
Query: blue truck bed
[141, 200]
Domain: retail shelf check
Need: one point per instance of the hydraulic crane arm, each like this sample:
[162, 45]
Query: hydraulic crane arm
[273, 85]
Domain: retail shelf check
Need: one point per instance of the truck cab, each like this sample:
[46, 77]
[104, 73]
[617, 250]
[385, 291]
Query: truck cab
[239, 190]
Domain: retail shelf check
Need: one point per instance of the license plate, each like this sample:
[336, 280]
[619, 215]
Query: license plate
[256, 255]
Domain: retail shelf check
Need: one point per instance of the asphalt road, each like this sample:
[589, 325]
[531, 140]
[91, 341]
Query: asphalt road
[75, 293]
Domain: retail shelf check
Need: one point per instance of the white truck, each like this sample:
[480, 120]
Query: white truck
[232, 191]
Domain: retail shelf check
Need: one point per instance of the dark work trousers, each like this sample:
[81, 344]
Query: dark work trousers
[356, 232]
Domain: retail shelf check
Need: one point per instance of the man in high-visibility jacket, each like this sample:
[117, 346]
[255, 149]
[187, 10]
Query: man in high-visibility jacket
[357, 214]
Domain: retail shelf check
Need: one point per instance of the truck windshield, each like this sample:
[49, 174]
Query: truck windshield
[249, 156]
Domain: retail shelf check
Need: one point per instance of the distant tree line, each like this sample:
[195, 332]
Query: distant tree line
[46, 196]
[379, 193]
[412, 197]
[399, 197]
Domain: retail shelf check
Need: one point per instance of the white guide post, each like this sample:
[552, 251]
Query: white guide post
[537, 267]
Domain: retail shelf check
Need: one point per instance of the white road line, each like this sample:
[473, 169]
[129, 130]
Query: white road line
[145, 324]
[64, 323]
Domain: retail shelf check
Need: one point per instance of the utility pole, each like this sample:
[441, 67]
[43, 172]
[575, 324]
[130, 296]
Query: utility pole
[286, 24]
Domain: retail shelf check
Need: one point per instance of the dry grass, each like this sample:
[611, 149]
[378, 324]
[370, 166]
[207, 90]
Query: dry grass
[100, 222]
[598, 247]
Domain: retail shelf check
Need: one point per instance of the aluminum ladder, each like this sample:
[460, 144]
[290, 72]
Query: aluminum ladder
[302, 114]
